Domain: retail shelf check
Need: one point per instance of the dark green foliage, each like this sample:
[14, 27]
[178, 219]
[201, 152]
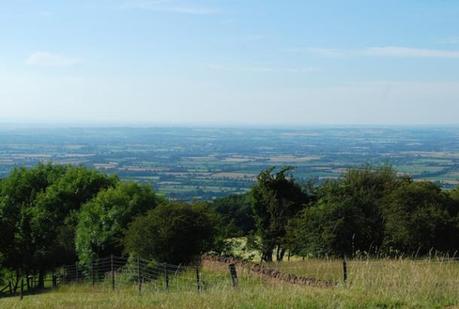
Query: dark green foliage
[59, 207]
[104, 220]
[419, 217]
[173, 233]
[37, 214]
[454, 195]
[346, 217]
[372, 210]
[276, 200]
[236, 214]
[52, 215]
[19, 240]
[335, 226]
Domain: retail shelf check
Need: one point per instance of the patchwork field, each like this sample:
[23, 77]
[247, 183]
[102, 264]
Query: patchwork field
[205, 163]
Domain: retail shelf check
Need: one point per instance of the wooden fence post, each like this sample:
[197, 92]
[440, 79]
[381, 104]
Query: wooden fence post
[344, 270]
[93, 277]
[233, 274]
[10, 286]
[76, 272]
[198, 279]
[139, 275]
[22, 289]
[166, 277]
[113, 272]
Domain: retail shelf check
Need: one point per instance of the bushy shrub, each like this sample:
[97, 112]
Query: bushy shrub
[173, 233]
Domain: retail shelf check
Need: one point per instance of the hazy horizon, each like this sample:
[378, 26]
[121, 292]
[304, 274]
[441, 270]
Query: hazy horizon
[212, 125]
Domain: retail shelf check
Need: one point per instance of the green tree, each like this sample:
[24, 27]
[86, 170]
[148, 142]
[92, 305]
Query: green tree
[420, 217]
[236, 214]
[55, 215]
[173, 233]
[347, 216]
[19, 244]
[453, 208]
[104, 219]
[277, 198]
[37, 214]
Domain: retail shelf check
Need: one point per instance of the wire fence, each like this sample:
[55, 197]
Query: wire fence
[117, 271]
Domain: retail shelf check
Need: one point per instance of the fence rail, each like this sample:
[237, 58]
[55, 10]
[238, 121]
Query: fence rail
[5, 288]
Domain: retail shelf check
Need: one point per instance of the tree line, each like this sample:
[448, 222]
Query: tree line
[368, 210]
[52, 215]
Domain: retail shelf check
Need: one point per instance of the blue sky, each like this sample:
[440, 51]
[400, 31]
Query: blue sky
[230, 62]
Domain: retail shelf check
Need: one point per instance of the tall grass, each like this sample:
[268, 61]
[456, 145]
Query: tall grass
[382, 283]
[428, 281]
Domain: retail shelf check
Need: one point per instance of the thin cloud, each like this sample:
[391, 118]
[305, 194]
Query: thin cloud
[170, 6]
[260, 69]
[47, 59]
[395, 51]
[384, 51]
[329, 52]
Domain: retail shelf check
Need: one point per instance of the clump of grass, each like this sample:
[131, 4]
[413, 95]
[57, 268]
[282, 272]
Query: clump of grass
[409, 281]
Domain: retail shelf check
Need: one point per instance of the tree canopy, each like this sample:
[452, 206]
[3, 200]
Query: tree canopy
[236, 215]
[37, 215]
[277, 198]
[375, 211]
[57, 214]
[103, 220]
[173, 233]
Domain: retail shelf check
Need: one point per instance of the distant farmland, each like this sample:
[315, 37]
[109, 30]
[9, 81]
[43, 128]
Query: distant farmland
[205, 163]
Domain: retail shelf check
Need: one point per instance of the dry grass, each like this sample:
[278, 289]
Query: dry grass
[429, 281]
[372, 284]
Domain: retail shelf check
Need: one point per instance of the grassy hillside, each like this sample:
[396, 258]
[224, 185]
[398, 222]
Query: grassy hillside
[380, 283]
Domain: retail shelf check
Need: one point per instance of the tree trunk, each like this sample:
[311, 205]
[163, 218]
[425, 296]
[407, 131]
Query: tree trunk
[278, 253]
[267, 255]
[267, 249]
[41, 279]
[282, 254]
[16, 282]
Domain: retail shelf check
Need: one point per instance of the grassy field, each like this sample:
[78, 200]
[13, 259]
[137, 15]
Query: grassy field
[372, 284]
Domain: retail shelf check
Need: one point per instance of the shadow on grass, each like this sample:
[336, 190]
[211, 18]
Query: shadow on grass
[30, 292]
